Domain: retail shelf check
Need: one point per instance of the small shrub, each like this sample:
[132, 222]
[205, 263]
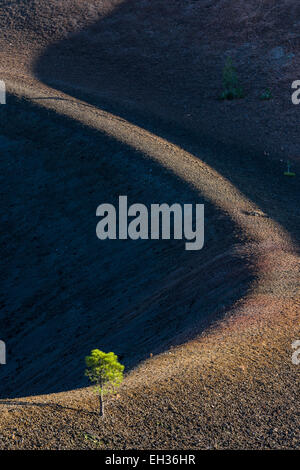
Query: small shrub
[93, 439]
[232, 88]
[266, 95]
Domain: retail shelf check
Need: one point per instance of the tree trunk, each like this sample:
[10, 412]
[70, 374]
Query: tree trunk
[101, 403]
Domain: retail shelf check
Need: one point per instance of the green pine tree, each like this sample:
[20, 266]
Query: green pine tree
[104, 370]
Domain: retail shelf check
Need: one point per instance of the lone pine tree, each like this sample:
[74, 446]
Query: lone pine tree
[104, 370]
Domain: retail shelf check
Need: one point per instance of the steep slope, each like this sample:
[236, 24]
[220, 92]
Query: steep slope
[85, 123]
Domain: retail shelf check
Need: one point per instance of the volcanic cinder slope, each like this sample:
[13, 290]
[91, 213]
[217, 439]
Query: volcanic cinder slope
[119, 97]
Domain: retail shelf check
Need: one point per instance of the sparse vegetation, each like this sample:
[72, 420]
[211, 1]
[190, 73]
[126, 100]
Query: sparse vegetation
[288, 172]
[105, 371]
[93, 439]
[266, 95]
[232, 88]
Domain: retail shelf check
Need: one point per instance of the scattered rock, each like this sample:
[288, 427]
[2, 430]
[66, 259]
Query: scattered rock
[256, 213]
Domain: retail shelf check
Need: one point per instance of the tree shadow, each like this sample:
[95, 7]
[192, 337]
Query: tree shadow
[55, 406]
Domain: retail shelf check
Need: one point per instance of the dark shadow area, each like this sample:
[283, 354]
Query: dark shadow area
[63, 291]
